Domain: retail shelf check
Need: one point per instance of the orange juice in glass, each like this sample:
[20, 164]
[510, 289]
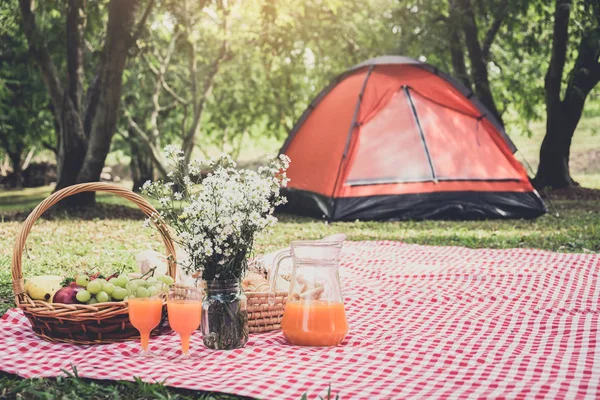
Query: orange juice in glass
[185, 309]
[314, 313]
[145, 303]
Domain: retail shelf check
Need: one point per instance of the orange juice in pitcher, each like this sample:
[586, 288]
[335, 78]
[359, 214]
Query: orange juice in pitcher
[314, 314]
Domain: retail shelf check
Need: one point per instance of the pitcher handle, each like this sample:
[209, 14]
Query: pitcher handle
[274, 272]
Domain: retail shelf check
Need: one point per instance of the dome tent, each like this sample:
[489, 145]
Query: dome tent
[395, 138]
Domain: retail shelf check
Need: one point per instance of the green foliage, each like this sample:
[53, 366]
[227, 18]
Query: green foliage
[25, 117]
[300, 46]
[519, 55]
[279, 54]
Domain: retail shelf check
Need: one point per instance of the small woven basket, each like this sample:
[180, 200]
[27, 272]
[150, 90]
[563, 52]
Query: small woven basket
[81, 323]
[265, 310]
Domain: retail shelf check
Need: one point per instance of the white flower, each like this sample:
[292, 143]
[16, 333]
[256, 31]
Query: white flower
[221, 215]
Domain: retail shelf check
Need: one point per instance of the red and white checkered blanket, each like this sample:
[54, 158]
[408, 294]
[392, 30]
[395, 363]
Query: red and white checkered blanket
[425, 322]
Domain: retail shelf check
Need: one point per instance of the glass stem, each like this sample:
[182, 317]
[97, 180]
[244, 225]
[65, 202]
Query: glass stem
[185, 344]
[145, 339]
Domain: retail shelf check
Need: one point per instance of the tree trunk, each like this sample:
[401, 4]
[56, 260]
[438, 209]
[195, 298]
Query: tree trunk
[553, 169]
[456, 46]
[142, 168]
[15, 154]
[71, 147]
[121, 16]
[563, 116]
[15, 160]
[83, 147]
[479, 72]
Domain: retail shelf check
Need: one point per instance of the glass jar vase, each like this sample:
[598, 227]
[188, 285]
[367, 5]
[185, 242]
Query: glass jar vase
[224, 315]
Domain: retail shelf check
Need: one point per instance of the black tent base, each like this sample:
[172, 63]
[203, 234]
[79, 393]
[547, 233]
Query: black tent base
[439, 205]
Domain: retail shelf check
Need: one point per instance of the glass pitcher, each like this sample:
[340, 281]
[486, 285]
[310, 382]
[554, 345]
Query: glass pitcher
[314, 313]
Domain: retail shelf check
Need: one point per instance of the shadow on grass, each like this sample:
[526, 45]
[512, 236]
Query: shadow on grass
[16, 205]
[100, 211]
[74, 388]
[15, 201]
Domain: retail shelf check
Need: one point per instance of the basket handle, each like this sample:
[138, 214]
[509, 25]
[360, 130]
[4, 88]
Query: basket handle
[147, 208]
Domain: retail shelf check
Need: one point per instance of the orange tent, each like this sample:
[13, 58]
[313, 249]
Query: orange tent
[394, 138]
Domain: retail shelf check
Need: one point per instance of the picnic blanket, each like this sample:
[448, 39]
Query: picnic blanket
[425, 322]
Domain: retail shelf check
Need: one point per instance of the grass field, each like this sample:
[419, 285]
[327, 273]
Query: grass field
[585, 150]
[66, 244]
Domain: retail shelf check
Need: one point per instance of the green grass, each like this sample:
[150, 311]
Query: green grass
[585, 150]
[72, 387]
[65, 245]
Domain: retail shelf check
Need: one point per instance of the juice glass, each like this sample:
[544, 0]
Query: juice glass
[185, 310]
[145, 300]
[314, 314]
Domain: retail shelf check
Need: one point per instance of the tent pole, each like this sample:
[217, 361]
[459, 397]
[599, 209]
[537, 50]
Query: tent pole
[350, 132]
[414, 111]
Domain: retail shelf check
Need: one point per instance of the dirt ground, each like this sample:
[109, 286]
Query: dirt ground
[585, 162]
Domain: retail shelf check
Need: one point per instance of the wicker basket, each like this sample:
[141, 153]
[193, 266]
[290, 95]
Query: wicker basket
[109, 322]
[265, 311]
[81, 323]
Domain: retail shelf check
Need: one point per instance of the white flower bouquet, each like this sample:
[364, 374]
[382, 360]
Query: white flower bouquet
[216, 210]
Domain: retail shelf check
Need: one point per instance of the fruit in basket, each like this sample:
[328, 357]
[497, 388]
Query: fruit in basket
[92, 301]
[67, 295]
[94, 286]
[152, 290]
[108, 287]
[119, 293]
[102, 297]
[83, 296]
[82, 280]
[120, 281]
[144, 288]
[43, 287]
[166, 279]
[142, 292]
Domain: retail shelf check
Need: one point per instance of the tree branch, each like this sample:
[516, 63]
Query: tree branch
[151, 67]
[456, 45]
[75, 25]
[142, 22]
[174, 95]
[93, 98]
[494, 28]
[479, 71]
[39, 52]
[158, 85]
[28, 158]
[164, 83]
[560, 39]
[585, 74]
[189, 138]
[154, 151]
[167, 108]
